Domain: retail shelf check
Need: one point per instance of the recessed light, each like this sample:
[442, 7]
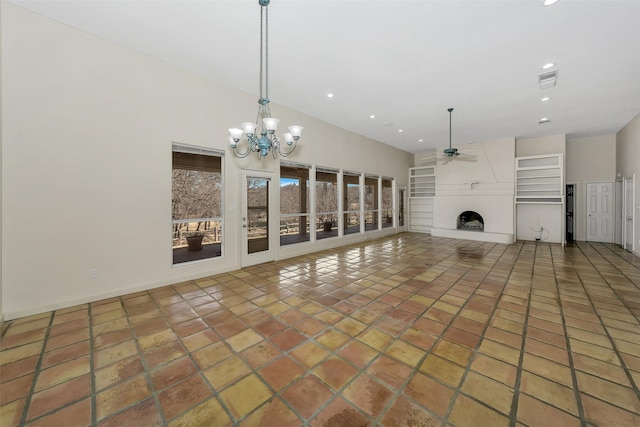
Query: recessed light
[547, 66]
[545, 99]
[329, 95]
[420, 140]
[400, 130]
[549, 2]
[372, 116]
[544, 120]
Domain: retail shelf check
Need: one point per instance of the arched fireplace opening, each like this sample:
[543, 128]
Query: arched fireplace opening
[470, 221]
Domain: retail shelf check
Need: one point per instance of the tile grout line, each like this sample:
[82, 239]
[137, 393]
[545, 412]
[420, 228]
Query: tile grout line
[513, 421]
[457, 280]
[458, 389]
[398, 392]
[626, 370]
[188, 353]
[516, 387]
[574, 376]
[474, 353]
[92, 370]
[622, 300]
[440, 338]
[360, 371]
[147, 371]
[27, 402]
[252, 370]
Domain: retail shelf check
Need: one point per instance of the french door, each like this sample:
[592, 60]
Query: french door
[259, 237]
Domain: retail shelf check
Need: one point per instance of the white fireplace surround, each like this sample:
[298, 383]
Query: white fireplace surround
[485, 186]
[496, 211]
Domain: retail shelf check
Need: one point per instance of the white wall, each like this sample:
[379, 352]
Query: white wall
[589, 159]
[86, 163]
[628, 164]
[537, 146]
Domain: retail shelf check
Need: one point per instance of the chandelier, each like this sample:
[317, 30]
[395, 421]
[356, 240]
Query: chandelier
[266, 141]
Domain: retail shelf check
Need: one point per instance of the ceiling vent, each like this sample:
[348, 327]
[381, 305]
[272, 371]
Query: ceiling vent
[548, 80]
[387, 124]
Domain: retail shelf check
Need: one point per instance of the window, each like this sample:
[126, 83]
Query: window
[351, 183]
[196, 203]
[326, 203]
[387, 202]
[294, 204]
[371, 207]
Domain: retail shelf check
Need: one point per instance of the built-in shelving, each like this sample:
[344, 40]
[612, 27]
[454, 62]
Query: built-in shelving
[539, 179]
[539, 198]
[422, 181]
[422, 189]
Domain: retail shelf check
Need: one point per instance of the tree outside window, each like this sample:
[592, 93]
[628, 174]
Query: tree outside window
[196, 206]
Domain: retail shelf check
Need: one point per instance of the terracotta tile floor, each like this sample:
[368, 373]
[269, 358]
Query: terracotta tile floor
[407, 330]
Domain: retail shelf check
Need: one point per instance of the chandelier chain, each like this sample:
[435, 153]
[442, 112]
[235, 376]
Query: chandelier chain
[266, 52]
[261, 47]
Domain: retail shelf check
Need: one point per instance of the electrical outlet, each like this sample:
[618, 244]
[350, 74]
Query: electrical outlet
[93, 273]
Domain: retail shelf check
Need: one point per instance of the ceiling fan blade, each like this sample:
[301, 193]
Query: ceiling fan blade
[467, 157]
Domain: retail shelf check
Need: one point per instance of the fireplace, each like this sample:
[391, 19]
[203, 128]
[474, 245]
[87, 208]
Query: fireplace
[470, 221]
[474, 201]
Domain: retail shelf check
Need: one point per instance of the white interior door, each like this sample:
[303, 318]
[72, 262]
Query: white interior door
[627, 215]
[600, 212]
[259, 237]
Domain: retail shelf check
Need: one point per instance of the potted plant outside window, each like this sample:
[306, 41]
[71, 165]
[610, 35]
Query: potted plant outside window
[194, 241]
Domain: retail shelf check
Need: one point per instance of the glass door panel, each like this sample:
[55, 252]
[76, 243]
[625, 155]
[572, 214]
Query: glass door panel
[257, 219]
[257, 214]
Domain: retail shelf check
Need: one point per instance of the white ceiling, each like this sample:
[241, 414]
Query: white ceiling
[404, 61]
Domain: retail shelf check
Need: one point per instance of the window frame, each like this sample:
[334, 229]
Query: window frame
[212, 254]
[303, 187]
[355, 178]
[326, 229]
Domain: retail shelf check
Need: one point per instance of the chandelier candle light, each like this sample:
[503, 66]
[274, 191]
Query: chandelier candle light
[267, 141]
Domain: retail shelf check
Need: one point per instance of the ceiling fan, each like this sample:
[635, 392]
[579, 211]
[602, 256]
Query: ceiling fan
[451, 153]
